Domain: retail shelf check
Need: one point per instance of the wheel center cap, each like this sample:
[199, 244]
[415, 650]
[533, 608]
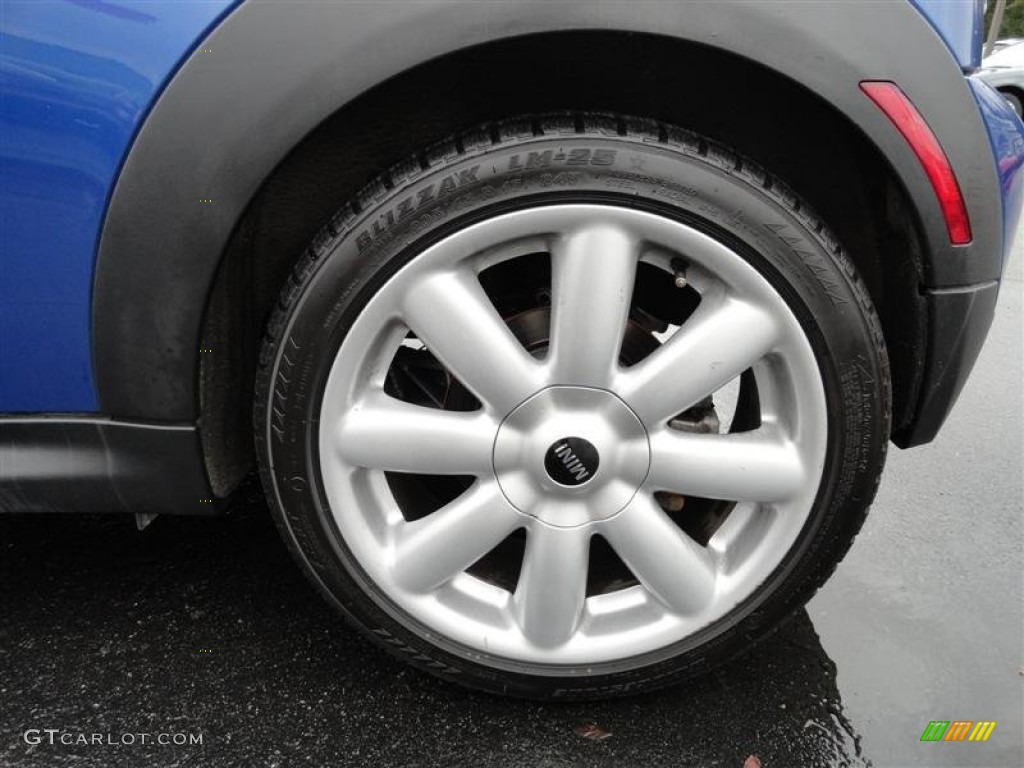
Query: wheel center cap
[571, 461]
[571, 455]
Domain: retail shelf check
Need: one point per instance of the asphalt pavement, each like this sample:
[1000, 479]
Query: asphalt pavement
[205, 629]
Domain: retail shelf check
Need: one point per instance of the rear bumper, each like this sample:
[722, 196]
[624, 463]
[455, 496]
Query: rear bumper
[958, 321]
[959, 316]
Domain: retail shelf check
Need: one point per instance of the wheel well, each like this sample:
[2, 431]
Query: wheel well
[761, 114]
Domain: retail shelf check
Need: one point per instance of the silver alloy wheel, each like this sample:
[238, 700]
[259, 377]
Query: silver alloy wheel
[578, 389]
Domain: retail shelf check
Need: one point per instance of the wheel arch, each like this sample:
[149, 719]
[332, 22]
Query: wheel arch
[297, 108]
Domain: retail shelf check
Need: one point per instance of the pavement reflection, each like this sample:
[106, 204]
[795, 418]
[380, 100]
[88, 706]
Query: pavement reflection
[206, 626]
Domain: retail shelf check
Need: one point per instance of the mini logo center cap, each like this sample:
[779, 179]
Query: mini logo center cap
[545, 471]
[571, 461]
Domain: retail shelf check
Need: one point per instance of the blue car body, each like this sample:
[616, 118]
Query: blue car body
[89, 87]
[77, 80]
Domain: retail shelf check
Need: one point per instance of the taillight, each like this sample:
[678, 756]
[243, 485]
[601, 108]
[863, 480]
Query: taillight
[897, 107]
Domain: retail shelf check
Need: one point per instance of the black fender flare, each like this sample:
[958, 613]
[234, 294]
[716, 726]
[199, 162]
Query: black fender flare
[277, 70]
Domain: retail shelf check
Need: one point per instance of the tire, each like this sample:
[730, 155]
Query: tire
[1013, 99]
[374, 431]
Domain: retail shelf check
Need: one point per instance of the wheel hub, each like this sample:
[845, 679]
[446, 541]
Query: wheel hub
[572, 461]
[569, 456]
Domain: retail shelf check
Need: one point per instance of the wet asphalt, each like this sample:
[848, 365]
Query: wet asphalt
[205, 627]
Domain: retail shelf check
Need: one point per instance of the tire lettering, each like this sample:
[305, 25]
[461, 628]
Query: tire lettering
[425, 195]
[539, 159]
[578, 157]
[376, 230]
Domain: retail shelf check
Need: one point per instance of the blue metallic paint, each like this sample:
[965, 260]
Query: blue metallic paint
[77, 78]
[1006, 134]
[960, 24]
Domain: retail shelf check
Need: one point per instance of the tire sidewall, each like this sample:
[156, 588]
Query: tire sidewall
[685, 180]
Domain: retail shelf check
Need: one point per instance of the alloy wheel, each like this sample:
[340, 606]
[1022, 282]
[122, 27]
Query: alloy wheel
[557, 446]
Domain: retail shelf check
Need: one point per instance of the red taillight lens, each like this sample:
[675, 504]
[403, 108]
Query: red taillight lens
[897, 107]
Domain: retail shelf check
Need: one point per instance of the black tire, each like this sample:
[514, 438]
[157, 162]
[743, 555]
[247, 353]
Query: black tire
[1013, 98]
[593, 158]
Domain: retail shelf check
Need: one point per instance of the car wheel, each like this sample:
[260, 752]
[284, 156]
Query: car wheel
[572, 406]
[1013, 99]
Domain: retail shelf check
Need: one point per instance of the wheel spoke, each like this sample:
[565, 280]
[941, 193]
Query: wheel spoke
[671, 565]
[446, 570]
[453, 316]
[433, 549]
[552, 584]
[749, 466]
[383, 432]
[723, 338]
[593, 270]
